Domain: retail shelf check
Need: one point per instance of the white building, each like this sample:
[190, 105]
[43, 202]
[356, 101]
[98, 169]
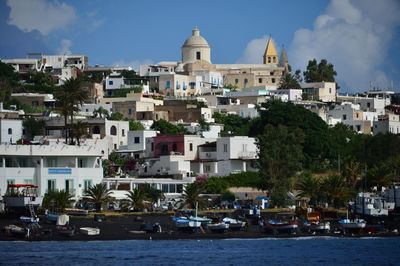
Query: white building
[389, 123]
[287, 95]
[226, 156]
[10, 130]
[55, 166]
[320, 91]
[137, 143]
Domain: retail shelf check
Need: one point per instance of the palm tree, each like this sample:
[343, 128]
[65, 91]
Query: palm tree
[135, 199]
[99, 194]
[288, 81]
[58, 200]
[309, 187]
[80, 129]
[336, 190]
[352, 172]
[153, 194]
[101, 112]
[69, 96]
[191, 195]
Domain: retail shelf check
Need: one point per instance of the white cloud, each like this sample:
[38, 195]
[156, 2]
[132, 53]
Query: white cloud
[44, 16]
[135, 64]
[65, 47]
[355, 36]
[254, 51]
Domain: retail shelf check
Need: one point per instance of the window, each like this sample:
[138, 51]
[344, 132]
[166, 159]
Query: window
[51, 184]
[87, 184]
[129, 111]
[137, 140]
[190, 146]
[168, 84]
[152, 146]
[207, 168]
[10, 131]
[246, 81]
[236, 81]
[113, 131]
[273, 80]
[10, 181]
[96, 130]
[69, 185]
[110, 82]
[115, 146]
[358, 128]
[330, 90]
[260, 80]
[368, 106]
[225, 147]
[271, 73]
[28, 181]
[164, 188]
[344, 117]
[198, 55]
[123, 132]
[269, 59]
[179, 188]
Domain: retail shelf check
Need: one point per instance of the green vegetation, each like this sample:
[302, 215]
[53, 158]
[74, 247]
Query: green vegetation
[318, 72]
[57, 200]
[33, 127]
[289, 81]
[99, 194]
[234, 125]
[166, 128]
[135, 125]
[117, 116]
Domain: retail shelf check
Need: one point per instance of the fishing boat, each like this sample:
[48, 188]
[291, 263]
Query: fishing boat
[19, 196]
[184, 223]
[234, 224]
[352, 224]
[220, 227]
[90, 231]
[15, 230]
[282, 224]
[315, 225]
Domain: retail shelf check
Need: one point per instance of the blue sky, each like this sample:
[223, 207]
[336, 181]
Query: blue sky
[360, 37]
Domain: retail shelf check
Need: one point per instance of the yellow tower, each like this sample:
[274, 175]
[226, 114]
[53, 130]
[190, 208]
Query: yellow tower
[270, 55]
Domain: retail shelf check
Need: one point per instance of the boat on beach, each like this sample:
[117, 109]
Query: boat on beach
[352, 224]
[234, 224]
[19, 196]
[90, 231]
[220, 227]
[282, 224]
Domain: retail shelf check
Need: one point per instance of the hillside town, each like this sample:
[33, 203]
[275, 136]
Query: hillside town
[69, 126]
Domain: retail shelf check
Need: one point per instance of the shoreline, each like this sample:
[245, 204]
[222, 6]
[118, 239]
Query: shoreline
[128, 227]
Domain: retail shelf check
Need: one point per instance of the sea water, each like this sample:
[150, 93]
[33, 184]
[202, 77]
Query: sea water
[294, 251]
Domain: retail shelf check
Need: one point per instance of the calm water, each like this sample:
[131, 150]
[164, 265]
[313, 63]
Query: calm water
[299, 251]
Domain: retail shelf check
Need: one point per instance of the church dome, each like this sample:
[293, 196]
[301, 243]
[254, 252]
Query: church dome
[196, 40]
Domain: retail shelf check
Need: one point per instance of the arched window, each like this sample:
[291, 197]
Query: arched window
[113, 131]
[10, 131]
[96, 130]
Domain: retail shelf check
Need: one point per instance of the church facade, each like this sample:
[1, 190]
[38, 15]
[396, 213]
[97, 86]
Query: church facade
[204, 77]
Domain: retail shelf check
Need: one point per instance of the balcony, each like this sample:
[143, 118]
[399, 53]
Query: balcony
[248, 155]
[208, 155]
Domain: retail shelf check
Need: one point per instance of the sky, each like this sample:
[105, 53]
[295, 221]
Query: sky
[361, 38]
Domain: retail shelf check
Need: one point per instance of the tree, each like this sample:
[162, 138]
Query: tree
[191, 196]
[352, 172]
[80, 129]
[280, 155]
[233, 124]
[33, 127]
[152, 194]
[135, 125]
[289, 81]
[336, 190]
[166, 128]
[310, 187]
[57, 200]
[117, 116]
[135, 200]
[323, 71]
[8, 80]
[99, 194]
[101, 112]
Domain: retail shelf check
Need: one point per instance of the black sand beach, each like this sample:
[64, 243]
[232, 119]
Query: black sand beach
[129, 227]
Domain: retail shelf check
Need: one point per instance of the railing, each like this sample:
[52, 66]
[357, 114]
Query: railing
[207, 155]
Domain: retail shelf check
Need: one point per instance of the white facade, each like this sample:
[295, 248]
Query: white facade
[118, 132]
[138, 142]
[116, 81]
[10, 130]
[196, 48]
[55, 166]
[287, 95]
[371, 104]
[389, 123]
[321, 91]
[177, 85]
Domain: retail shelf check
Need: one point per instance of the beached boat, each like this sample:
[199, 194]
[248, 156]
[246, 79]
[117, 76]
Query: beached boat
[15, 230]
[29, 219]
[90, 231]
[220, 227]
[66, 230]
[51, 217]
[202, 220]
[19, 196]
[76, 212]
[372, 204]
[352, 224]
[185, 223]
[282, 224]
[234, 224]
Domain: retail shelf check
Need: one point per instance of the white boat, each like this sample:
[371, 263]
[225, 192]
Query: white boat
[185, 223]
[218, 227]
[320, 227]
[234, 224]
[372, 204]
[352, 224]
[90, 231]
[18, 196]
